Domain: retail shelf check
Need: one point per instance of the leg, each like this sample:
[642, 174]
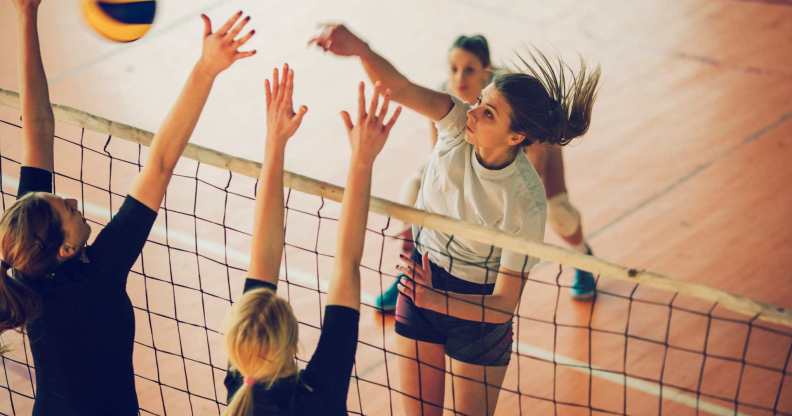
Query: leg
[555, 185]
[480, 354]
[548, 161]
[565, 220]
[469, 383]
[421, 376]
[554, 178]
[386, 301]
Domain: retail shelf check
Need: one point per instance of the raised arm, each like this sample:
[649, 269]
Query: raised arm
[220, 50]
[282, 122]
[367, 136]
[38, 124]
[341, 41]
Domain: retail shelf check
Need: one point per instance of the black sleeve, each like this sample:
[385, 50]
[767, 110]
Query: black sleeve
[252, 284]
[330, 368]
[233, 381]
[34, 180]
[120, 242]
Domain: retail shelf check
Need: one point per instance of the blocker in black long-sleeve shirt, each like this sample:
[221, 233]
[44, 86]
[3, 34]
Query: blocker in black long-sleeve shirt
[82, 341]
[320, 389]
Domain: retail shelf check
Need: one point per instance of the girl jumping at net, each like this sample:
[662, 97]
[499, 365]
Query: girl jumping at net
[460, 296]
[262, 337]
[70, 296]
[469, 71]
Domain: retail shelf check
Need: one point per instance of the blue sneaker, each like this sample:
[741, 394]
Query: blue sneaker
[583, 284]
[386, 302]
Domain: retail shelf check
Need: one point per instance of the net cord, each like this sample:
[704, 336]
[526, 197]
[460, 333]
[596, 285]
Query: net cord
[605, 269]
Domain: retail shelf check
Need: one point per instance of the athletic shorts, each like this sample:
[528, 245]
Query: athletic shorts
[472, 342]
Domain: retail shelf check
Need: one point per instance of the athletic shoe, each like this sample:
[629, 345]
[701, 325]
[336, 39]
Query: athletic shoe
[583, 283]
[386, 302]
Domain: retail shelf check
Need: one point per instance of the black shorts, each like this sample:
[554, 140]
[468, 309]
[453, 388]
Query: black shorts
[472, 342]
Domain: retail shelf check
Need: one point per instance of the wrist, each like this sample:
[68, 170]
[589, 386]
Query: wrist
[361, 165]
[434, 301]
[28, 13]
[365, 51]
[203, 70]
[275, 146]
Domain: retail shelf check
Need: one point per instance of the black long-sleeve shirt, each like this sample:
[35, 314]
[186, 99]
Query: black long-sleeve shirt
[82, 341]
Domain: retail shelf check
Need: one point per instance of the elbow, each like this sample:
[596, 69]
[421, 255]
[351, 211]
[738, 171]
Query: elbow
[161, 168]
[346, 264]
[400, 88]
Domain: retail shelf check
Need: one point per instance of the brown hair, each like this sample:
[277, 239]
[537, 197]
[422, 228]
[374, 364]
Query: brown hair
[30, 237]
[550, 102]
[475, 44]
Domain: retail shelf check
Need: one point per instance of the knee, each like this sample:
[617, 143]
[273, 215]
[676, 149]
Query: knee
[562, 215]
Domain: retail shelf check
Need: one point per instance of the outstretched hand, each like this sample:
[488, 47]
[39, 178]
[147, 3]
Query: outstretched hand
[221, 47]
[282, 121]
[339, 40]
[368, 136]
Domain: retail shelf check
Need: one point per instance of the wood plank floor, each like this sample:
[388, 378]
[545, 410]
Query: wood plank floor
[685, 171]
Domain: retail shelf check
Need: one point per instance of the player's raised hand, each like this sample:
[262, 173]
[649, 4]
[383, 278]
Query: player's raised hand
[221, 47]
[368, 135]
[339, 40]
[282, 121]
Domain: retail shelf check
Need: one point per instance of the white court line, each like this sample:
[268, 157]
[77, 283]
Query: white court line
[648, 387]
[298, 276]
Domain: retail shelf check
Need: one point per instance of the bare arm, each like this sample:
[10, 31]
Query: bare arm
[340, 41]
[495, 308]
[220, 50]
[38, 123]
[367, 137]
[266, 248]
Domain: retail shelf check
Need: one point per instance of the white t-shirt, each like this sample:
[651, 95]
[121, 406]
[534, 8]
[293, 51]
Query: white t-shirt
[455, 184]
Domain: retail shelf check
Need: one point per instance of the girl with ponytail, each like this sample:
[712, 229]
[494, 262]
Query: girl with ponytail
[70, 296]
[263, 378]
[457, 297]
[469, 71]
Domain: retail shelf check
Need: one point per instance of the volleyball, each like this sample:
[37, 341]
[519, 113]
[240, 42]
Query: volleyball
[120, 20]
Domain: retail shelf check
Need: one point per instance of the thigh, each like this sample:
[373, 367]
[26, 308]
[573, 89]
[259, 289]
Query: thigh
[475, 387]
[554, 180]
[421, 376]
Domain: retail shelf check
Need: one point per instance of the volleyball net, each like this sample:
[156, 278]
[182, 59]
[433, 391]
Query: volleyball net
[646, 345]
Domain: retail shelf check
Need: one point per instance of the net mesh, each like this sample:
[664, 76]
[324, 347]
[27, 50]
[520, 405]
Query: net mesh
[634, 350]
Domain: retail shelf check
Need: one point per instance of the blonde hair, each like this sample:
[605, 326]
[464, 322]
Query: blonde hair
[262, 344]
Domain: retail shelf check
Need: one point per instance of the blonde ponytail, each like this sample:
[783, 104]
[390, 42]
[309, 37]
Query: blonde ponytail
[242, 402]
[261, 341]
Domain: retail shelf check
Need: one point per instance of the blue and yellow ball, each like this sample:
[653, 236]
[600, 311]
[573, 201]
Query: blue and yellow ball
[120, 20]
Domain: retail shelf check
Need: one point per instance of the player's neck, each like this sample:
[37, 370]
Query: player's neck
[495, 158]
